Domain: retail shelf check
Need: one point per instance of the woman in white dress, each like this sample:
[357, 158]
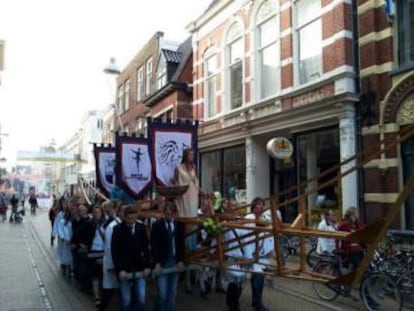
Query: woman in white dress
[185, 174]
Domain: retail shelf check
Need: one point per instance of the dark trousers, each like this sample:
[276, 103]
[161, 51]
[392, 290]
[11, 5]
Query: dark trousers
[257, 284]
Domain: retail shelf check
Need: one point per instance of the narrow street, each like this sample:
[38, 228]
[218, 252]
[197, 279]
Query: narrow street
[31, 280]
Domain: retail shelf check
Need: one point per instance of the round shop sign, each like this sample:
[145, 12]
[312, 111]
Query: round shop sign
[280, 148]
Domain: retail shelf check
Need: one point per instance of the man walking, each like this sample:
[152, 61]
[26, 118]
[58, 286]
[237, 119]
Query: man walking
[130, 255]
[167, 242]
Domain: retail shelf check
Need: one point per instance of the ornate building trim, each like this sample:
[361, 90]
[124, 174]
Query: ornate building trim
[400, 101]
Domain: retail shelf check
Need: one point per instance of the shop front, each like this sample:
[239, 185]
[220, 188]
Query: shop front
[242, 169]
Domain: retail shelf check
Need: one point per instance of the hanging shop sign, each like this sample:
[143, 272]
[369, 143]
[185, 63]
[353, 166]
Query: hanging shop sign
[280, 148]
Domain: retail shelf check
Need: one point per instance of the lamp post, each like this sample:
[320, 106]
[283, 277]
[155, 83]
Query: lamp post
[113, 69]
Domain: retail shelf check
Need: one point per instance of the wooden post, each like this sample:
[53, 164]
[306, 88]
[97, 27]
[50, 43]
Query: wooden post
[302, 250]
[219, 240]
[276, 235]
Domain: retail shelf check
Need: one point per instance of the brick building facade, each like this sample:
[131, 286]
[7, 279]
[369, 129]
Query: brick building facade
[386, 45]
[332, 76]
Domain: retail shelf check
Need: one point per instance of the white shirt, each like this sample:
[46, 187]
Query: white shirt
[326, 244]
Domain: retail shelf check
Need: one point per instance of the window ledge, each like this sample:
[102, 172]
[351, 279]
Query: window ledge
[402, 69]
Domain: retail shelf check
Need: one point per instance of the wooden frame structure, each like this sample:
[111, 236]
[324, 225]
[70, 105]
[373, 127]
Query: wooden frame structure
[371, 235]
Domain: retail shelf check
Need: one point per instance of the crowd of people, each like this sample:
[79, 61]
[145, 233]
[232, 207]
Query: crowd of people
[108, 248]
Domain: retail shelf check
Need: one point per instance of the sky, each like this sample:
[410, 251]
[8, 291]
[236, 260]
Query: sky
[55, 53]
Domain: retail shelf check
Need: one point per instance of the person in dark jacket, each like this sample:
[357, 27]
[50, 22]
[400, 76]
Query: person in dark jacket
[80, 249]
[131, 257]
[167, 243]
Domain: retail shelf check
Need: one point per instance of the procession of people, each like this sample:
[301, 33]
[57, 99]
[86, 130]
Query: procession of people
[108, 248]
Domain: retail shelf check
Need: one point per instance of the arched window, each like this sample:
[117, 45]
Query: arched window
[268, 50]
[210, 72]
[234, 61]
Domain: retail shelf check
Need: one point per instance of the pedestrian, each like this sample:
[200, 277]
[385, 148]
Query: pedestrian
[261, 251]
[52, 215]
[79, 248]
[167, 244]
[14, 202]
[63, 231]
[3, 206]
[109, 280]
[93, 237]
[327, 245]
[131, 257]
[353, 251]
[33, 203]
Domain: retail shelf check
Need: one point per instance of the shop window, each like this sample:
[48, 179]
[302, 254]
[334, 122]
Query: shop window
[316, 152]
[224, 170]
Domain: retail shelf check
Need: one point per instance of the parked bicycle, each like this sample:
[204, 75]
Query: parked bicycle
[377, 289]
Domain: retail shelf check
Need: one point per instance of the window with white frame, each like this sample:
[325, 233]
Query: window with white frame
[126, 95]
[210, 71]
[148, 76]
[268, 49]
[161, 73]
[119, 105]
[140, 83]
[405, 25]
[234, 57]
[308, 39]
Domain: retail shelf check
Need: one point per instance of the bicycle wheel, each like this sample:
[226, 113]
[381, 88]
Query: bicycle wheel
[380, 292]
[312, 257]
[326, 291]
[406, 282]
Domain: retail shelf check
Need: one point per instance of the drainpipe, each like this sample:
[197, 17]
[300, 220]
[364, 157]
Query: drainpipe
[358, 114]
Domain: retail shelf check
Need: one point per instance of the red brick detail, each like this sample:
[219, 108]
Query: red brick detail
[287, 76]
[372, 20]
[286, 19]
[286, 47]
[326, 2]
[390, 138]
[247, 92]
[287, 104]
[336, 20]
[198, 111]
[218, 104]
[247, 67]
[371, 143]
[337, 54]
[376, 211]
[376, 53]
[381, 181]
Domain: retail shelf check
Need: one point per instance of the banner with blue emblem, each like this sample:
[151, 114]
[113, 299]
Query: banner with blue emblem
[105, 159]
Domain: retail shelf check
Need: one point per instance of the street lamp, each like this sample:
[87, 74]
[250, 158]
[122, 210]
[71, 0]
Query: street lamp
[113, 69]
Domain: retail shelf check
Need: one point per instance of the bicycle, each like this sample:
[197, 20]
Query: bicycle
[377, 289]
